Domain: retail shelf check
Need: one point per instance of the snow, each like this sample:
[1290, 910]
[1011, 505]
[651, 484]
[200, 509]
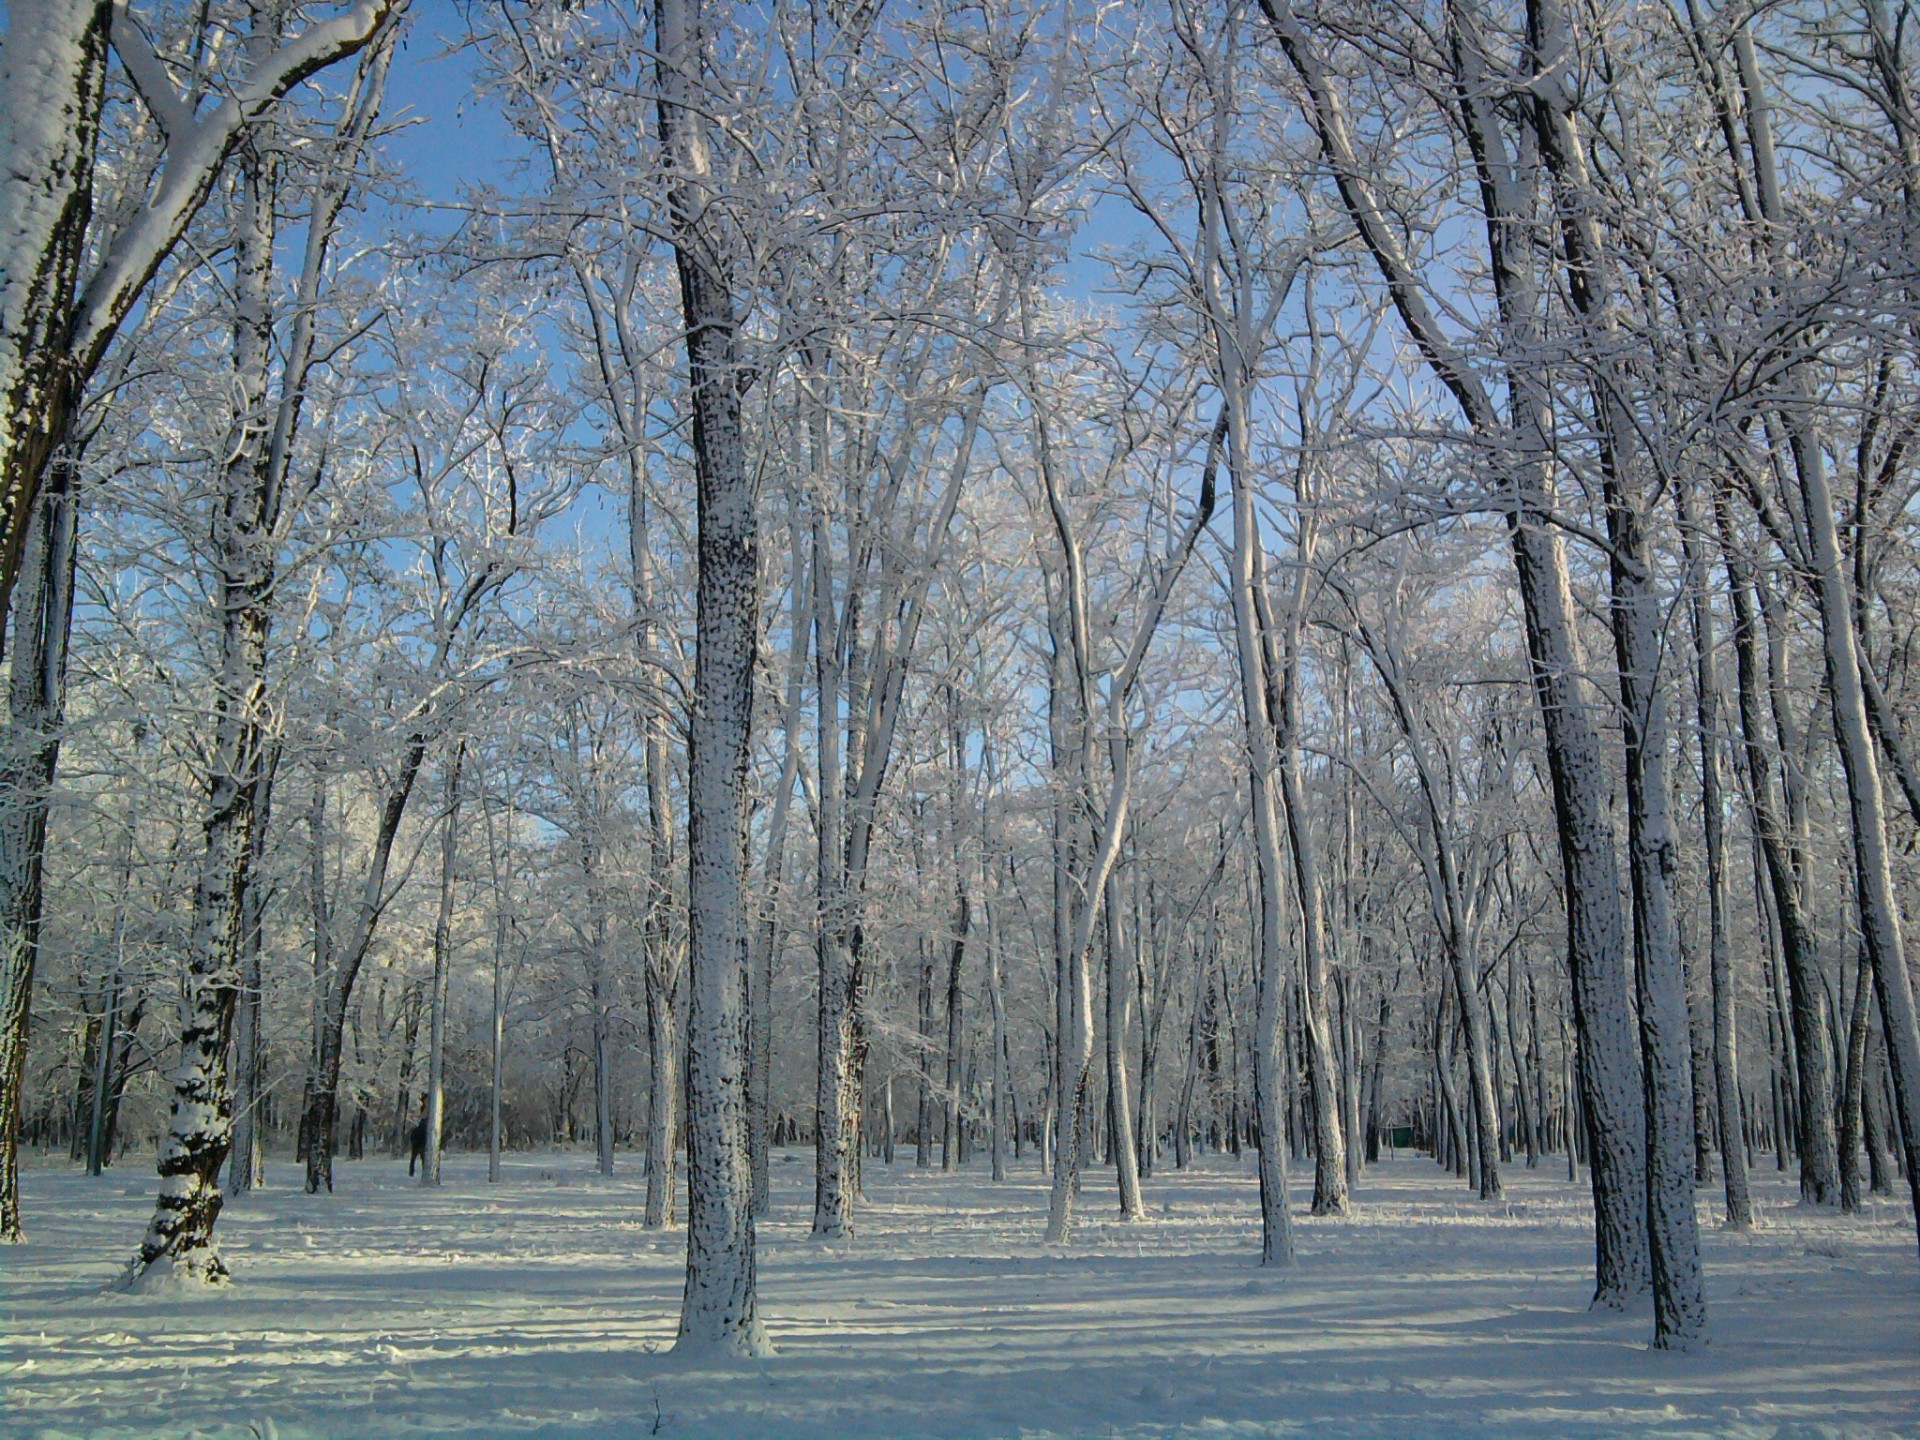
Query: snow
[541, 1308]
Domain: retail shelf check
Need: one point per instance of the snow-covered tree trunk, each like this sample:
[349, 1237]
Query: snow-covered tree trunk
[773, 871]
[1610, 1081]
[179, 1245]
[442, 965]
[1853, 1088]
[1270, 1074]
[502, 925]
[35, 700]
[1785, 839]
[600, 999]
[835, 1106]
[52, 82]
[663, 1086]
[1706, 683]
[999, 1088]
[1119, 1106]
[956, 956]
[719, 1312]
[246, 1165]
[1638, 615]
[1329, 1144]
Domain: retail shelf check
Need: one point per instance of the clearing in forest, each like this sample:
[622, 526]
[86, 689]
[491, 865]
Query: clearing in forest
[540, 1307]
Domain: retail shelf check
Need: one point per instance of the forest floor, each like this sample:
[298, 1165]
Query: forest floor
[541, 1308]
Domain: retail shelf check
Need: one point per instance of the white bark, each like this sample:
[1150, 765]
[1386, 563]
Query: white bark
[52, 80]
[55, 321]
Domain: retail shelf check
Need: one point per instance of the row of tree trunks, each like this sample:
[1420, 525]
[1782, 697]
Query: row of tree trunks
[66, 288]
[1610, 1079]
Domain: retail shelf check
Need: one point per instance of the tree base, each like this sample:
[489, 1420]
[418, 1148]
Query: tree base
[749, 1342]
[196, 1271]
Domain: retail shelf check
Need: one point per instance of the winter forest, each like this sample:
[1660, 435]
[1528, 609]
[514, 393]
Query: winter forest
[970, 717]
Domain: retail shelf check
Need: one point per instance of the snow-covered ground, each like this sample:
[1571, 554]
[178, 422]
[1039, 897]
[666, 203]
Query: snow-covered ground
[540, 1307]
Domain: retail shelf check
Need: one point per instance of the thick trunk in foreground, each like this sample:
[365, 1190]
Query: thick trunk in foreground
[35, 699]
[179, 1246]
[1638, 614]
[51, 89]
[719, 1311]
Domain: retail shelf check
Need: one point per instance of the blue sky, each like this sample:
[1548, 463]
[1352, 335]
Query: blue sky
[460, 139]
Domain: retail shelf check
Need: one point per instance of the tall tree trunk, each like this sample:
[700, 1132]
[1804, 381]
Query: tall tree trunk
[179, 1244]
[1119, 1108]
[35, 701]
[1262, 770]
[1610, 1079]
[601, 1001]
[1853, 1090]
[442, 962]
[956, 954]
[1706, 690]
[998, 1087]
[1638, 618]
[246, 1167]
[502, 922]
[719, 1312]
[923, 1072]
[52, 82]
[773, 884]
[1329, 1144]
